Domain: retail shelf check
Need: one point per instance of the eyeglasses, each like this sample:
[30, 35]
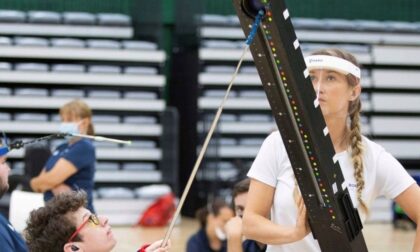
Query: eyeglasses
[93, 219]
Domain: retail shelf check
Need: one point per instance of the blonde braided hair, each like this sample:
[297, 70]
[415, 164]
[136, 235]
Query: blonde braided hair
[355, 136]
[357, 152]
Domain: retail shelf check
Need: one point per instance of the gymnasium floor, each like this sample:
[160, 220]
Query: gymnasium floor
[379, 237]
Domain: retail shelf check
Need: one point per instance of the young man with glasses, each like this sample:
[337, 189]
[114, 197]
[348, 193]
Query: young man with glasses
[64, 224]
[10, 240]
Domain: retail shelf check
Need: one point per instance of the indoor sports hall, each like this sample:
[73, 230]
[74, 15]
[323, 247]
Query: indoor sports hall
[213, 125]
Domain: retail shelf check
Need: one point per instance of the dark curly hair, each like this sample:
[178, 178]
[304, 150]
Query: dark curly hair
[49, 227]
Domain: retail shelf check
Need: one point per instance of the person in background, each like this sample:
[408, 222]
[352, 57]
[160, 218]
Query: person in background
[233, 227]
[211, 236]
[64, 224]
[10, 240]
[368, 169]
[72, 164]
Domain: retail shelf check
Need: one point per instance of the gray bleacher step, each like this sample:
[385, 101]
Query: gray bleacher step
[103, 44]
[400, 26]
[251, 142]
[42, 92]
[216, 54]
[113, 154]
[325, 36]
[31, 42]
[104, 94]
[113, 19]
[115, 193]
[396, 78]
[31, 67]
[24, 118]
[218, 93]
[5, 41]
[140, 70]
[77, 79]
[213, 19]
[152, 191]
[402, 149]
[221, 44]
[252, 94]
[219, 69]
[386, 102]
[5, 91]
[395, 126]
[12, 16]
[255, 118]
[67, 42]
[44, 17]
[66, 30]
[234, 103]
[144, 95]
[139, 166]
[105, 145]
[5, 116]
[396, 55]
[336, 24]
[94, 103]
[111, 119]
[141, 144]
[78, 18]
[68, 68]
[224, 79]
[140, 119]
[107, 166]
[309, 23]
[151, 56]
[234, 152]
[100, 128]
[224, 117]
[370, 25]
[128, 176]
[104, 69]
[245, 128]
[139, 45]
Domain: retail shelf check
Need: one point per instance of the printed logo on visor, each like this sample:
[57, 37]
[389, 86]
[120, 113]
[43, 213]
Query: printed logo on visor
[332, 62]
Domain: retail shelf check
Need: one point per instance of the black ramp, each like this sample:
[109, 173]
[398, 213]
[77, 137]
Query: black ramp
[334, 221]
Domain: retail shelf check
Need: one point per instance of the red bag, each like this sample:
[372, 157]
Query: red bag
[160, 212]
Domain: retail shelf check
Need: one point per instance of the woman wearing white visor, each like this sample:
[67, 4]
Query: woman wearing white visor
[368, 169]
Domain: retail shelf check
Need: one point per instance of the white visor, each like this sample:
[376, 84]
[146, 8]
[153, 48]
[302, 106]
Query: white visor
[334, 63]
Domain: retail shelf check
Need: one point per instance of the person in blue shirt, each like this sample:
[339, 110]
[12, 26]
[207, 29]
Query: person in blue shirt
[72, 164]
[234, 226]
[10, 240]
[211, 237]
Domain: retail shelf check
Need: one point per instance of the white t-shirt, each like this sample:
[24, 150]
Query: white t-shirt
[383, 174]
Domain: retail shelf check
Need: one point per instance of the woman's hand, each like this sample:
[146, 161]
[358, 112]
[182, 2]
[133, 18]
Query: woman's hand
[302, 228]
[155, 247]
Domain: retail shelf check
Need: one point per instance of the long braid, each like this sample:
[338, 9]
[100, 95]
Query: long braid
[357, 151]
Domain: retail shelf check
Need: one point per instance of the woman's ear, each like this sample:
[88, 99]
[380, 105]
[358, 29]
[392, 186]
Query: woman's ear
[84, 124]
[355, 93]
